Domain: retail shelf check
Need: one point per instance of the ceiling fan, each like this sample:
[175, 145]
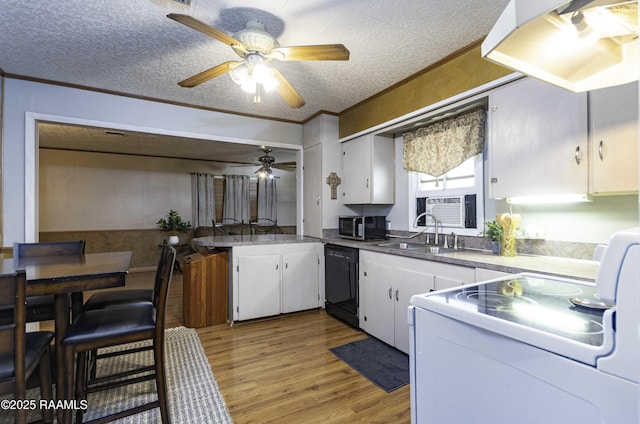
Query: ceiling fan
[257, 47]
[267, 162]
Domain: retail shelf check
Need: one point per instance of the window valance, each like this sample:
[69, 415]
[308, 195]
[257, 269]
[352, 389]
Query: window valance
[443, 145]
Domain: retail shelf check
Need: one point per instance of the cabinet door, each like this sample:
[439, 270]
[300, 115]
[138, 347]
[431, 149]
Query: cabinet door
[300, 279]
[356, 167]
[258, 286]
[446, 283]
[312, 191]
[614, 139]
[408, 283]
[376, 301]
[538, 140]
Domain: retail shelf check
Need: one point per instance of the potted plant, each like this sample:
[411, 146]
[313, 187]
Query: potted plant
[174, 224]
[494, 233]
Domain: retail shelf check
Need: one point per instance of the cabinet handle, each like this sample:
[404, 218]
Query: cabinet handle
[286, 265]
[601, 150]
[318, 201]
[397, 297]
[577, 155]
[390, 291]
[277, 266]
[367, 182]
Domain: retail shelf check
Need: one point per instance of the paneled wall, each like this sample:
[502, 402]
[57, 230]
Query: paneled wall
[455, 74]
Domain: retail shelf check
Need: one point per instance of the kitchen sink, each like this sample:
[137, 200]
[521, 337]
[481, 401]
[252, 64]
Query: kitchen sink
[402, 245]
[418, 247]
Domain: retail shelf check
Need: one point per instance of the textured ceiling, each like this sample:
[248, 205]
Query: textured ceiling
[130, 46]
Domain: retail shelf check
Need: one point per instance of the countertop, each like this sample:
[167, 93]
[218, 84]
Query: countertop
[250, 240]
[561, 267]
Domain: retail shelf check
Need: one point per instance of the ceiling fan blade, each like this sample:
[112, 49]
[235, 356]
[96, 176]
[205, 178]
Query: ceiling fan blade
[320, 52]
[286, 90]
[285, 166]
[192, 22]
[211, 73]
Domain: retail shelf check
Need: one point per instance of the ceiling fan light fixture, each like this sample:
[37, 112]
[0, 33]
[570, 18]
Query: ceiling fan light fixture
[239, 73]
[264, 172]
[255, 37]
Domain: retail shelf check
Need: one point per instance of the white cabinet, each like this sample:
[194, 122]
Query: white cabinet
[312, 190]
[300, 279]
[538, 140]
[483, 274]
[386, 285]
[614, 140]
[368, 167]
[258, 285]
[276, 278]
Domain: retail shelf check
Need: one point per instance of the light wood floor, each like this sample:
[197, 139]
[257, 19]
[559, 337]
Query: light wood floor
[280, 370]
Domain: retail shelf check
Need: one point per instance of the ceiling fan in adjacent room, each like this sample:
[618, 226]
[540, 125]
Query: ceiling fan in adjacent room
[257, 48]
[268, 162]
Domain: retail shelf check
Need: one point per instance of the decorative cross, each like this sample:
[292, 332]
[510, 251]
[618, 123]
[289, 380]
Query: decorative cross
[334, 181]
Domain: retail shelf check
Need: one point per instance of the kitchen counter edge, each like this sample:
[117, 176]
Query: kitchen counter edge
[562, 267]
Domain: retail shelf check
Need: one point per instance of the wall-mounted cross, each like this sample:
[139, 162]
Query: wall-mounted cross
[334, 181]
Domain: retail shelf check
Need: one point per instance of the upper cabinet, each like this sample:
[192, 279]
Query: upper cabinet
[538, 140]
[368, 168]
[614, 140]
[539, 136]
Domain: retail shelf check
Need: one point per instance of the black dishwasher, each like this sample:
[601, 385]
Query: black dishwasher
[341, 283]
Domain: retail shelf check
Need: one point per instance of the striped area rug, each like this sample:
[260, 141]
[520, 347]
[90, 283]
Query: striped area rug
[194, 396]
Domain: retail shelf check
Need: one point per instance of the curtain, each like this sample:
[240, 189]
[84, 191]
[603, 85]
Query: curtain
[443, 145]
[203, 200]
[236, 198]
[267, 199]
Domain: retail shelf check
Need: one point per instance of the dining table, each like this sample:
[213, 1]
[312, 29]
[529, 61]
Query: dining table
[65, 275]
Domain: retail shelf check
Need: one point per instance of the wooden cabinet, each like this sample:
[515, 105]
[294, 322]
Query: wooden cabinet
[205, 283]
[368, 166]
[538, 140]
[614, 140]
[276, 278]
[387, 283]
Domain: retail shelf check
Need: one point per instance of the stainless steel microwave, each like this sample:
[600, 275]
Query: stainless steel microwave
[362, 227]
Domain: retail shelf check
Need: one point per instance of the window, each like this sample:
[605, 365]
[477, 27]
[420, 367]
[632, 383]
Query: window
[455, 188]
[219, 196]
[461, 177]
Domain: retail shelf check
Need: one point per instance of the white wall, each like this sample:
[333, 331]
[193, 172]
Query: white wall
[331, 162]
[591, 222]
[26, 102]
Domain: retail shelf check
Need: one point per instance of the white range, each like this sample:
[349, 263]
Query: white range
[530, 348]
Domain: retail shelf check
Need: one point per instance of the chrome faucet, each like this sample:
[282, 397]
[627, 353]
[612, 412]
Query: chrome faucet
[435, 225]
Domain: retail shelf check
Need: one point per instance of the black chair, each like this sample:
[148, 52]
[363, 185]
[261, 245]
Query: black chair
[118, 297]
[41, 308]
[101, 328]
[229, 227]
[265, 226]
[22, 353]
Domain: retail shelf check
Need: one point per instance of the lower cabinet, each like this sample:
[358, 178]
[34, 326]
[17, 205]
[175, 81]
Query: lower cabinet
[276, 278]
[387, 283]
[483, 274]
[205, 284]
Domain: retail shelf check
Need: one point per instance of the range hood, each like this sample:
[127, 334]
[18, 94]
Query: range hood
[579, 45]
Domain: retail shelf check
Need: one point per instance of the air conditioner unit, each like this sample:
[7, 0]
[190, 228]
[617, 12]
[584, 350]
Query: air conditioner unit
[451, 211]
